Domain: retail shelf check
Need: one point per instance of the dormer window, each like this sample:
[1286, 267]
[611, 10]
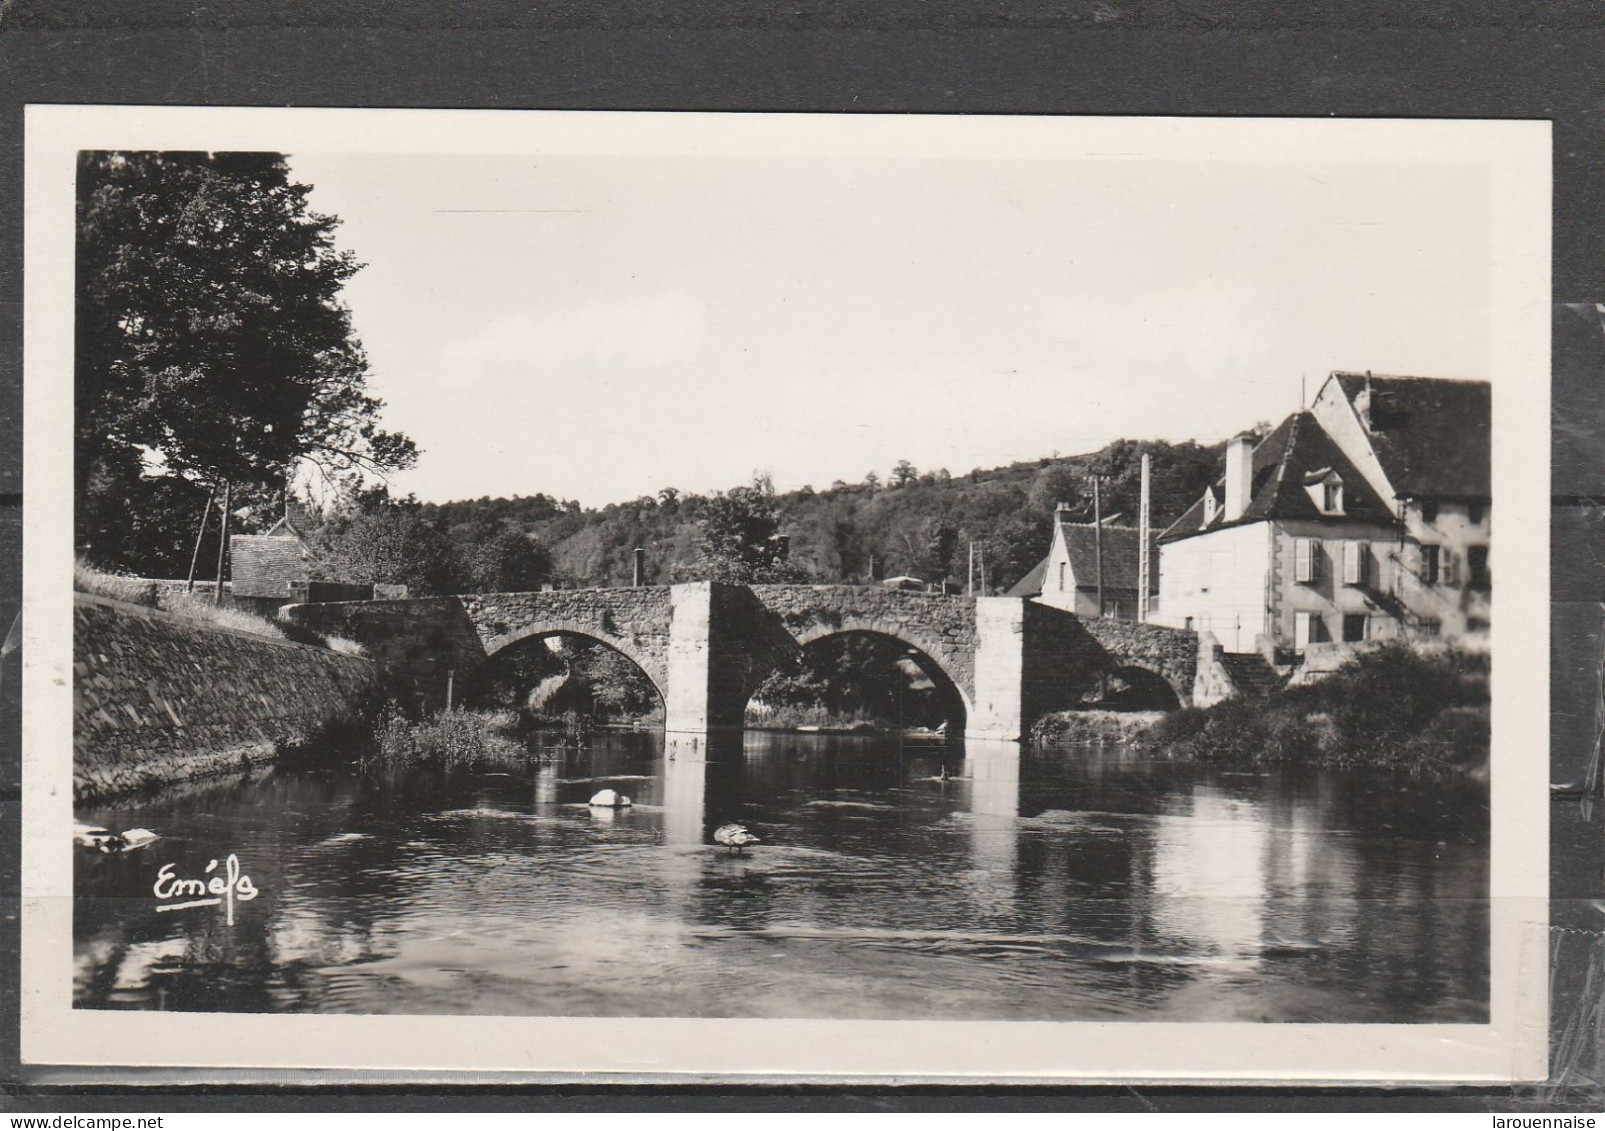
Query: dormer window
[1210, 507]
[1325, 489]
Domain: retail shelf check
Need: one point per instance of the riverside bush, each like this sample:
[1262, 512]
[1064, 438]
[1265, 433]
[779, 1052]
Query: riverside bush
[449, 740]
[1391, 707]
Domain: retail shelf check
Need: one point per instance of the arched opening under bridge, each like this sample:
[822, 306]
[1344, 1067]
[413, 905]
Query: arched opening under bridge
[854, 677]
[561, 674]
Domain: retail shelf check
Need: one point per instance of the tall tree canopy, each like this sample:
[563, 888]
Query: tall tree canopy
[740, 539]
[212, 344]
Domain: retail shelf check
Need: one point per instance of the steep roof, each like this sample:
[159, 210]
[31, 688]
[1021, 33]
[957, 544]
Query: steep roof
[1296, 452]
[1120, 559]
[1431, 434]
[263, 565]
[1031, 584]
[1122, 546]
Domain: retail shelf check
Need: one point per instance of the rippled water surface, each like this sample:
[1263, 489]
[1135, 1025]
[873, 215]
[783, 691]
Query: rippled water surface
[896, 880]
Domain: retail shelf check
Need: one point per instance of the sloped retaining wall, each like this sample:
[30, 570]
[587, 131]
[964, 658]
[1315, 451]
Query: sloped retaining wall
[160, 698]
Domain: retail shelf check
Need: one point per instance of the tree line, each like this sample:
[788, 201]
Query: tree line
[919, 524]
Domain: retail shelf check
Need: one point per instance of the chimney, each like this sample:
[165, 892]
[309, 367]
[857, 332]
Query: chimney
[1362, 402]
[1239, 475]
[638, 578]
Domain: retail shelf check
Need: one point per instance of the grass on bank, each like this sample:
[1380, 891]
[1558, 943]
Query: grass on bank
[448, 740]
[1390, 708]
[200, 606]
[788, 716]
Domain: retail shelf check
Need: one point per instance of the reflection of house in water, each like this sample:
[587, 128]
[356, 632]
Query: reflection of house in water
[1364, 517]
[1208, 874]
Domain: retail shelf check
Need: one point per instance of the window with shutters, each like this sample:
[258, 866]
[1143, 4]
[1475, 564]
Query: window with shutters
[1307, 629]
[1449, 566]
[1306, 559]
[1356, 563]
[1429, 565]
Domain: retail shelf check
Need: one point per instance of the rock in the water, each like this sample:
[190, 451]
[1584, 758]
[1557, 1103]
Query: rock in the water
[91, 836]
[610, 799]
[137, 838]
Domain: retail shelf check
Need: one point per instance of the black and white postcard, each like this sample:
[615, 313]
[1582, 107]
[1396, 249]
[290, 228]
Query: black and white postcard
[721, 596]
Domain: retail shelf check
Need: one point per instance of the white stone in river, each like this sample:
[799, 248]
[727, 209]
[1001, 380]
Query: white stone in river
[608, 799]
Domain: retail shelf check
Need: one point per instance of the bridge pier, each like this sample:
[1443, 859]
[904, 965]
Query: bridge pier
[692, 670]
[1029, 659]
[722, 643]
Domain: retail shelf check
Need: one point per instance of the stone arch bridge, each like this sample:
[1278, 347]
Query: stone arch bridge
[707, 646]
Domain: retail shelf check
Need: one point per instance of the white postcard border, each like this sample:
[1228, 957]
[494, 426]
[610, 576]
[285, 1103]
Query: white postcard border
[1512, 1047]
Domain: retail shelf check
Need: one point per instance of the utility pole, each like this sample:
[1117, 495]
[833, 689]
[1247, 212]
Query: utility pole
[195, 555]
[1097, 538]
[1144, 565]
[969, 585]
[222, 546]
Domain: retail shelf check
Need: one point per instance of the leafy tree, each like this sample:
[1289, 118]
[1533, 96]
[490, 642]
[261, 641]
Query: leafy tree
[211, 342]
[507, 562]
[740, 538]
[617, 688]
[388, 544]
[904, 474]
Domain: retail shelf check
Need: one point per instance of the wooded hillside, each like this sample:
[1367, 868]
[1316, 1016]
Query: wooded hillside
[912, 522]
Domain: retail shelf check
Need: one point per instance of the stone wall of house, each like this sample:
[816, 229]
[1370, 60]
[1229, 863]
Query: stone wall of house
[159, 697]
[1169, 652]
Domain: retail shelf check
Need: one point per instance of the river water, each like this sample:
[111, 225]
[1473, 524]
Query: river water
[897, 878]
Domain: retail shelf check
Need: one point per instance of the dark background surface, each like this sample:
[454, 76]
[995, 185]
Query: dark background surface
[1425, 59]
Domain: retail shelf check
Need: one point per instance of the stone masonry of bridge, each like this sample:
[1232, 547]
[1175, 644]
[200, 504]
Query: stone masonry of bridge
[707, 646]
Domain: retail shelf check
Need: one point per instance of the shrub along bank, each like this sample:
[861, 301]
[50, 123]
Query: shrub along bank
[1393, 708]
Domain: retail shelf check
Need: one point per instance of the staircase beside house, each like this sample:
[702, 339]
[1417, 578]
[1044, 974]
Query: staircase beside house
[1253, 677]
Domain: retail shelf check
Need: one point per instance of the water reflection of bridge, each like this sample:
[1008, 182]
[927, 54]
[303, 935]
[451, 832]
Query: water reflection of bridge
[706, 647]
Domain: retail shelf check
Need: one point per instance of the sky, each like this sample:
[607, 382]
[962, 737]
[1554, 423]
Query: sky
[601, 327]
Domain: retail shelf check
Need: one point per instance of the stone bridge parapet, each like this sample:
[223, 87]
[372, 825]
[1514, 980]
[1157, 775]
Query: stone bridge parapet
[707, 646]
[1171, 653]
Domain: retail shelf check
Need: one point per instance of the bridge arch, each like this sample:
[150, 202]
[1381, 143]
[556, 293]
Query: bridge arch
[931, 654]
[649, 665]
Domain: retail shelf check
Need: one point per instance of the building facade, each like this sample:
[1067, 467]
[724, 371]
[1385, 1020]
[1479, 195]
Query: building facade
[1362, 518]
[271, 570]
[1069, 577]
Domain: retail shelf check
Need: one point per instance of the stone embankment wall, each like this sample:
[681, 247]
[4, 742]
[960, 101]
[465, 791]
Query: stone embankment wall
[160, 698]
